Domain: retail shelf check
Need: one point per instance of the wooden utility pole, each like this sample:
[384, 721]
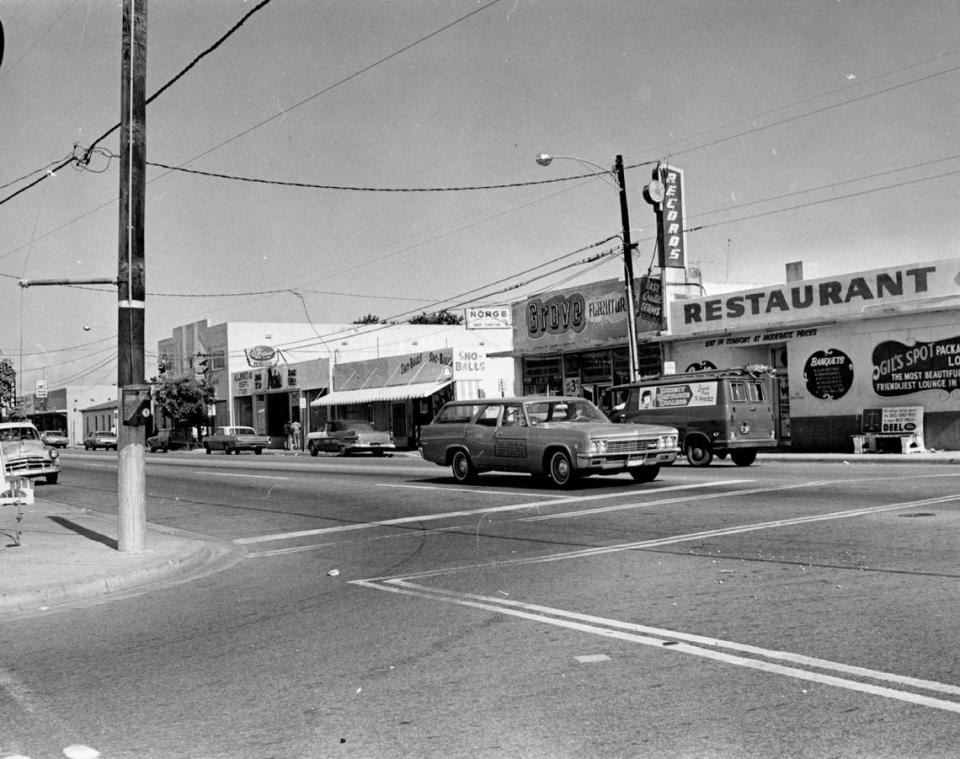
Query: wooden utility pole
[131, 289]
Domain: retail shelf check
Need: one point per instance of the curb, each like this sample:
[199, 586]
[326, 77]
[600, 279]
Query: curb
[195, 558]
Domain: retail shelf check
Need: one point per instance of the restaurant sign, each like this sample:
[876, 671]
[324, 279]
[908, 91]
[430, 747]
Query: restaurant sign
[831, 297]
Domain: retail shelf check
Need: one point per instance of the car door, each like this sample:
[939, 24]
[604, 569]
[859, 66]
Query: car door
[329, 441]
[480, 437]
[510, 440]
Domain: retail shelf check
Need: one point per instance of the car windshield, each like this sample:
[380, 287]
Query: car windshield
[19, 433]
[579, 410]
[244, 431]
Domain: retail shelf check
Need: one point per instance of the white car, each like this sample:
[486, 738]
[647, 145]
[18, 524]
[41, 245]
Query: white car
[26, 455]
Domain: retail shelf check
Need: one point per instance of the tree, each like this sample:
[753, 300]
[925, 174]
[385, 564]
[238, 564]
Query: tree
[437, 317]
[368, 319]
[8, 384]
[183, 399]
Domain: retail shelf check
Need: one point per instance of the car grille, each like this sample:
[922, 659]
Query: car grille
[631, 446]
[25, 464]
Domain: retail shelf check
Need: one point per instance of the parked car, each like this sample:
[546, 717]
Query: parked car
[171, 439]
[717, 412]
[105, 440]
[26, 455]
[233, 439]
[56, 438]
[350, 436]
[558, 437]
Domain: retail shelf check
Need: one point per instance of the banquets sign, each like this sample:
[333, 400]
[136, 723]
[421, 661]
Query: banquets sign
[900, 369]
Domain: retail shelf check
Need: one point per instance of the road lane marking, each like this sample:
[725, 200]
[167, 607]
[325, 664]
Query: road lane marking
[462, 513]
[673, 539]
[251, 476]
[644, 504]
[797, 666]
[476, 491]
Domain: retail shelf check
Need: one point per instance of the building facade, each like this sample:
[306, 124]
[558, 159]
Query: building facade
[268, 375]
[62, 408]
[847, 352]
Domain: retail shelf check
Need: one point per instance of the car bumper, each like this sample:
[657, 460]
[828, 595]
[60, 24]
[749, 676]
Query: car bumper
[624, 462]
[32, 469]
[370, 448]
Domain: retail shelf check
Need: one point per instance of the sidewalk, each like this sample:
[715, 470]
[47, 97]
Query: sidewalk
[70, 554]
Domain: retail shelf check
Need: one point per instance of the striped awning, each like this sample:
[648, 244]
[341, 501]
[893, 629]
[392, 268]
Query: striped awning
[374, 394]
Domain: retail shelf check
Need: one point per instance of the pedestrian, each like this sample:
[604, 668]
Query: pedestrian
[286, 436]
[295, 435]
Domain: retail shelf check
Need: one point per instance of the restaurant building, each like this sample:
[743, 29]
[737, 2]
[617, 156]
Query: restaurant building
[872, 354]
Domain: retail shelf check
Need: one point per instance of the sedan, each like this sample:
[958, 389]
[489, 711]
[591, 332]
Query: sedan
[350, 436]
[56, 438]
[105, 440]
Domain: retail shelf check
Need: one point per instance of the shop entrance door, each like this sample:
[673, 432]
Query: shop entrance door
[594, 392]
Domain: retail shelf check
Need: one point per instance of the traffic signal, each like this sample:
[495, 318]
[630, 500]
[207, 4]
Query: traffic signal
[201, 365]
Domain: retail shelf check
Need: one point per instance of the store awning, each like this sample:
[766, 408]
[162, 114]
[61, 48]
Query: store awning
[374, 394]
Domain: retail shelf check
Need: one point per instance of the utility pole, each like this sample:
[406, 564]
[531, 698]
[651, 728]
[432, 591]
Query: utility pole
[131, 287]
[628, 272]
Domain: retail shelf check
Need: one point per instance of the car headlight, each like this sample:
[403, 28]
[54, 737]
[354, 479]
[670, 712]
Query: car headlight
[668, 441]
[597, 447]
[53, 453]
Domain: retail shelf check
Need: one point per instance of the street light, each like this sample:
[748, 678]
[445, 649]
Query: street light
[544, 159]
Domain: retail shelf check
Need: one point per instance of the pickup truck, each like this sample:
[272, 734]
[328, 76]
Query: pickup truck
[236, 439]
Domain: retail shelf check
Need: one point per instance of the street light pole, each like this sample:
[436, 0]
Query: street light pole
[544, 159]
[628, 272]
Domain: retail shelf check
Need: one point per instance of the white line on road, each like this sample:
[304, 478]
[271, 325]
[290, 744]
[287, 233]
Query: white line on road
[656, 542]
[831, 673]
[644, 504]
[475, 491]
[251, 476]
[462, 513]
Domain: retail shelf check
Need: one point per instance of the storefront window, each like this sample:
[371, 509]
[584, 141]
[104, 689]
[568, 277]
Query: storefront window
[542, 375]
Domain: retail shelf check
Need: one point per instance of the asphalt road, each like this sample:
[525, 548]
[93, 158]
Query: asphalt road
[384, 611]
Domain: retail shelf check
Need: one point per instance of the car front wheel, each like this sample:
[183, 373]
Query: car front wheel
[560, 470]
[645, 473]
[52, 479]
[699, 453]
[463, 468]
[744, 457]
[206, 449]
[314, 450]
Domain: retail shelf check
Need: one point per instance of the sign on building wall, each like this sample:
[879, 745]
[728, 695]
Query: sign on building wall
[901, 369]
[488, 317]
[674, 238]
[593, 314]
[845, 295]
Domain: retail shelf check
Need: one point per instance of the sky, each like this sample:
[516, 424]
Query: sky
[823, 131]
